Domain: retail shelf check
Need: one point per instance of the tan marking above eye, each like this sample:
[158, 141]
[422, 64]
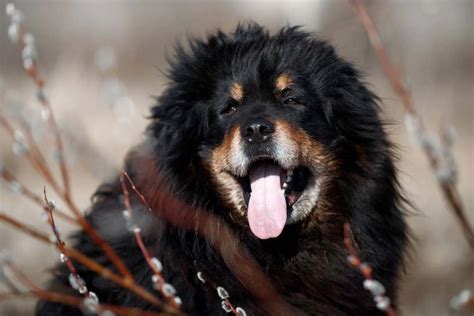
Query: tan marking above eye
[236, 91]
[283, 81]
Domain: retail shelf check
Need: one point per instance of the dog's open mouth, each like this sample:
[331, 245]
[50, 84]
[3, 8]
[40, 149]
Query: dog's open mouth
[276, 196]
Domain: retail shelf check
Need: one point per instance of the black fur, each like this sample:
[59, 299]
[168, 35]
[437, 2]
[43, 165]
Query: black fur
[307, 264]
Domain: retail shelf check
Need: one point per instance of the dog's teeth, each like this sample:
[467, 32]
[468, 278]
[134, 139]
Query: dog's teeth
[285, 185]
[288, 179]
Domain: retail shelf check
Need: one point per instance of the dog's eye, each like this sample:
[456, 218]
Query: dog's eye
[287, 99]
[291, 101]
[229, 110]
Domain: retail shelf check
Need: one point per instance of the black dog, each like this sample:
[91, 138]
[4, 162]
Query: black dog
[260, 149]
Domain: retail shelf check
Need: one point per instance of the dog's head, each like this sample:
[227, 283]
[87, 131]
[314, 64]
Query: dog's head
[262, 126]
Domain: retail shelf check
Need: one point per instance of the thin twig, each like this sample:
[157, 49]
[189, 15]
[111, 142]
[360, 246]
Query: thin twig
[23, 190]
[13, 295]
[42, 169]
[75, 279]
[226, 305]
[137, 192]
[29, 57]
[221, 292]
[166, 289]
[71, 300]
[91, 264]
[448, 188]
[88, 229]
[217, 233]
[32, 143]
[31, 69]
[370, 284]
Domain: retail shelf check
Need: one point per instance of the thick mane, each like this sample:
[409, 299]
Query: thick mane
[191, 228]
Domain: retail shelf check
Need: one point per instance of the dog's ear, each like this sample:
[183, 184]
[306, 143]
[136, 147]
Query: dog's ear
[355, 113]
[187, 130]
[346, 101]
[179, 129]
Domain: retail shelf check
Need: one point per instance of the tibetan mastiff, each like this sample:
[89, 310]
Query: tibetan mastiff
[261, 147]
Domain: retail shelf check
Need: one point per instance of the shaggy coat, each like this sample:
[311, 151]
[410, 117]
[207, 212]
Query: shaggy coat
[226, 95]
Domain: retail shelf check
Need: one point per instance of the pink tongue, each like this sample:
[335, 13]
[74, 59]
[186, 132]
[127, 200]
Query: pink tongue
[267, 205]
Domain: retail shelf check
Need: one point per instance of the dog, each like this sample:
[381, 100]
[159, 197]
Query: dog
[261, 147]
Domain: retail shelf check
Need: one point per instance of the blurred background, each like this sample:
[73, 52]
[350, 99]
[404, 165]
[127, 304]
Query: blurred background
[103, 62]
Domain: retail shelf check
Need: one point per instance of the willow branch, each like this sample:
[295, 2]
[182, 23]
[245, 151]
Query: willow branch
[91, 264]
[26, 192]
[448, 188]
[74, 301]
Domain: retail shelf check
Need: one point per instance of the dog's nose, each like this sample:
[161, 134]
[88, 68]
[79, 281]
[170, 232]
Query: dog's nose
[257, 131]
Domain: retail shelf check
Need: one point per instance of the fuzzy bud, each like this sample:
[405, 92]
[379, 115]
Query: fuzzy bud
[458, 302]
[222, 292]
[14, 33]
[10, 9]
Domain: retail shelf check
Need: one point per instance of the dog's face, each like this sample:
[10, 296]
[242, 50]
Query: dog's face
[267, 123]
[271, 162]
